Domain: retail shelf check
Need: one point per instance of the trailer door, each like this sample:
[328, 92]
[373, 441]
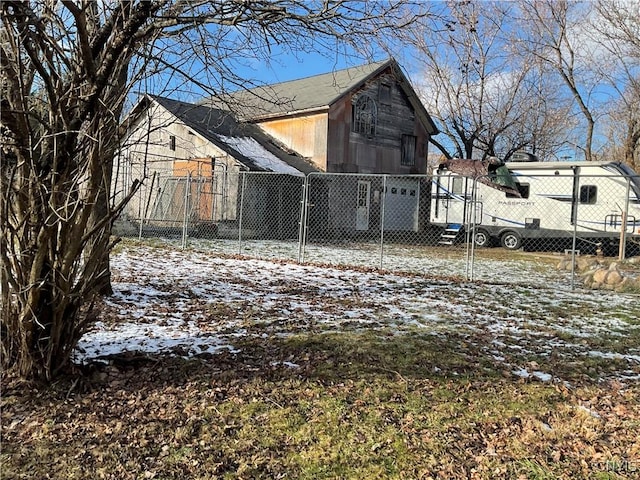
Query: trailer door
[457, 199]
[449, 199]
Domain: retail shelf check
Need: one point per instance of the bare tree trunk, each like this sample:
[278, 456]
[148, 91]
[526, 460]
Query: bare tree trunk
[99, 246]
[632, 144]
[66, 69]
[553, 26]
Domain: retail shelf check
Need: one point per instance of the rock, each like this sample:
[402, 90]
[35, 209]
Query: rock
[627, 285]
[584, 263]
[614, 277]
[600, 275]
[564, 264]
[607, 274]
[584, 275]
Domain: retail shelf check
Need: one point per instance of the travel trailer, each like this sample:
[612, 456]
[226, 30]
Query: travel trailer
[536, 205]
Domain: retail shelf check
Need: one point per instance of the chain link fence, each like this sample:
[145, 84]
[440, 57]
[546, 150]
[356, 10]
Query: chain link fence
[444, 225]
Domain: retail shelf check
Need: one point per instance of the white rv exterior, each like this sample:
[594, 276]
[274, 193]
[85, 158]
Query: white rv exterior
[556, 200]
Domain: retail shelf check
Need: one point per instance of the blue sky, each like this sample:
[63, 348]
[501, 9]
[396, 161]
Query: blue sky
[258, 63]
[277, 64]
[291, 67]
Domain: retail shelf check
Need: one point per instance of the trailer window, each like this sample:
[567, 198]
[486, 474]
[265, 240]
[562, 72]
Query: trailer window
[457, 185]
[588, 194]
[523, 188]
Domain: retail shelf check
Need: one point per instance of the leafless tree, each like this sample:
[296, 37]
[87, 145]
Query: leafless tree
[67, 67]
[630, 110]
[557, 35]
[621, 23]
[623, 129]
[488, 99]
[617, 26]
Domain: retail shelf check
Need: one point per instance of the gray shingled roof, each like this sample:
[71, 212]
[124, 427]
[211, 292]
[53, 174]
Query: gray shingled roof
[245, 142]
[314, 93]
[305, 94]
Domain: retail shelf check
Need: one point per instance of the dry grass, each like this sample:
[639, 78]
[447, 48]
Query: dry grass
[350, 405]
[317, 394]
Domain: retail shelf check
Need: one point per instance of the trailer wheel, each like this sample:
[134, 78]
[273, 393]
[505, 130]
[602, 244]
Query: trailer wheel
[511, 240]
[482, 238]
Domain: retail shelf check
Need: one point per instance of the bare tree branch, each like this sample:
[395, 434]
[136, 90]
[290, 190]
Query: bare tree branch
[66, 71]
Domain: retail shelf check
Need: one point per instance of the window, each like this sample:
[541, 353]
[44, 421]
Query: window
[365, 115]
[457, 185]
[523, 188]
[384, 94]
[172, 142]
[588, 194]
[363, 195]
[408, 150]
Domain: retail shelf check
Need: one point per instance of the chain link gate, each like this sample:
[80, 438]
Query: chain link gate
[376, 221]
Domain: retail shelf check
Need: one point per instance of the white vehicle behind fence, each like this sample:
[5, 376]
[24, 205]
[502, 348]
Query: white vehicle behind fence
[537, 205]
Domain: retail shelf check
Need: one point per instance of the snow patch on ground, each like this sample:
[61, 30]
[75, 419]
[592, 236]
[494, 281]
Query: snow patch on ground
[190, 302]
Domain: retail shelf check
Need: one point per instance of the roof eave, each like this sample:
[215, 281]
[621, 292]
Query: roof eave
[364, 80]
[419, 107]
[305, 111]
[195, 129]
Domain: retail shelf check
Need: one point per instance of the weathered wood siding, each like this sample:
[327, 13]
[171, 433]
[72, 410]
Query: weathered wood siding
[306, 134]
[348, 151]
[328, 140]
[160, 150]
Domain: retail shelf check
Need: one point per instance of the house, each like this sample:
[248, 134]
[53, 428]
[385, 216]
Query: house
[363, 120]
[191, 157]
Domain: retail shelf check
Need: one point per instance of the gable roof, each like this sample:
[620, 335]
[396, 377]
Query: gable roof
[245, 142]
[300, 95]
[315, 93]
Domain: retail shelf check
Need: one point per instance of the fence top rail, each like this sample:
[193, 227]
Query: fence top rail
[374, 175]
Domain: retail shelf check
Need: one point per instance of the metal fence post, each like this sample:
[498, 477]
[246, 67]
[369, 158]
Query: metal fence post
[242, 189]
[576, 201]
[302, 228]
[146, 208]
[622, 251]
[185, 219]
[470, 234]
[382, 207]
